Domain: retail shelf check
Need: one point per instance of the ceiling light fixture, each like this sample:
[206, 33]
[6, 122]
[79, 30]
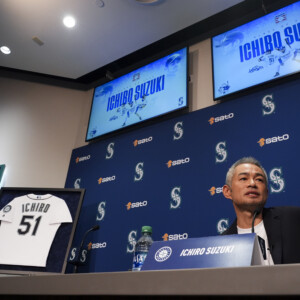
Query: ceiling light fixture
[149, 2]
[100, 3]
[5, 50]
[69, 21]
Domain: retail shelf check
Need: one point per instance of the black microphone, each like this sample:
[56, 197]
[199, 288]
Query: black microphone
[94, 228]
[256, 212]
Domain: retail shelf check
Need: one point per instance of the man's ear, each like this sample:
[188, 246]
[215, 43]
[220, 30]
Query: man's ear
[227, 191]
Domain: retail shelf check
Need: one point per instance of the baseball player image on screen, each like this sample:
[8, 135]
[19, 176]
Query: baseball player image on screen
[28, 226]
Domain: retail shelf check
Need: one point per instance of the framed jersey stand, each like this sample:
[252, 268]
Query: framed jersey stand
[37, 226]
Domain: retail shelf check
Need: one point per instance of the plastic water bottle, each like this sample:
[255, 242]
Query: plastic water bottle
[141, 248]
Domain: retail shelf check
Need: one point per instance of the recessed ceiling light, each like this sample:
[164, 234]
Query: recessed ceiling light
[69, 21]
[5, 50]
[149, 2]
[100, 3]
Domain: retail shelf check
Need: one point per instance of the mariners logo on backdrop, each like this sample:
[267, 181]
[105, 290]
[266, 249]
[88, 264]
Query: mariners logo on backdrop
[215, 190]
[178, 131]
[101, 211]
[268, 105]
[275, 139]
[110, 151]
[93, 246]
[175, 197]
[77, 183]
[163, 254]
[131, 241]
[106, 179]
[277, 182]
[142, 141]
[72, 254]
[131, 205]
[213, 120]
[175, 237]
[221, 152]
[83, 158]
[172, 163]
[222, 225]
[82, 258]
[139, 171]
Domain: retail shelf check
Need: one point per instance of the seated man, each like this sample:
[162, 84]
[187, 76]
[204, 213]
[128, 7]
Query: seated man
[277, 227]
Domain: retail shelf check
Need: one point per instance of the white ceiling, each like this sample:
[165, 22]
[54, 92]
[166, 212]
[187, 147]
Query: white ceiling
[101, 35]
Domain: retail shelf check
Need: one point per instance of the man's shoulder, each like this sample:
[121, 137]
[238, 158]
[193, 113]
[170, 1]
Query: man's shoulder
[282, 209]
[282, 212]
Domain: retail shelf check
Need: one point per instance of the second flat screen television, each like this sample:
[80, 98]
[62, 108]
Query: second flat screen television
[155, 89]
[259, 51]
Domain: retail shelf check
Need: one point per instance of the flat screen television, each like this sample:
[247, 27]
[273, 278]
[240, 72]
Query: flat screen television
[257, 52]
[156, 89]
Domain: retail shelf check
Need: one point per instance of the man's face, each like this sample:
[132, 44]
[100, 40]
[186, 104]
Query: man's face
[248, 188]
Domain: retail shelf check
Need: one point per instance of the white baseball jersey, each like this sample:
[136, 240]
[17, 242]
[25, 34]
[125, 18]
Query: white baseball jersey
[28, 226]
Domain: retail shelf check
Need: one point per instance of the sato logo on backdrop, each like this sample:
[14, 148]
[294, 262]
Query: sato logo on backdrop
[175, 237]
[131, 205]
[275, 139]
[83, 158]
[142, 141]
[215, 190]
[93, 246]
[106, 179]
[213, 120]
[172, 163]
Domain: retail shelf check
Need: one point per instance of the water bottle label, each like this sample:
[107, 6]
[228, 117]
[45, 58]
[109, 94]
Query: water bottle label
[138, 260]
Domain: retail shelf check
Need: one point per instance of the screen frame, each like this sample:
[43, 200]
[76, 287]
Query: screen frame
[152, 120]
[255, 87]
[56, 264]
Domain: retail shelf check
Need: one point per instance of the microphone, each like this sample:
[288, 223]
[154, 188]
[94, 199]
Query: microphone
[94, 228]
[256, 212]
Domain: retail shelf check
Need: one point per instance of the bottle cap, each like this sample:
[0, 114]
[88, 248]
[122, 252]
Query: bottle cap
[147, 229]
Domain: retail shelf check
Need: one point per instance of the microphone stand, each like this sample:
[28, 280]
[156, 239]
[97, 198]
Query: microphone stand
[94, 228]
[256, 212]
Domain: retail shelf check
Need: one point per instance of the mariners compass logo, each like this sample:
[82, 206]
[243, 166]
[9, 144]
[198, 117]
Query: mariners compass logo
[268, 105]
[277, 182]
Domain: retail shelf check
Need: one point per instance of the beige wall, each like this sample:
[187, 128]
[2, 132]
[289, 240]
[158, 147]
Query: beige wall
[201, 75]
[41, 124]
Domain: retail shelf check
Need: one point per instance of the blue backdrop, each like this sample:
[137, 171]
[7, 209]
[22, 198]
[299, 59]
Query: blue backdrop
[169, 175]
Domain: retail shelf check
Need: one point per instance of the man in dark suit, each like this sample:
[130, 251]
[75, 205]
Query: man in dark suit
[278, 228]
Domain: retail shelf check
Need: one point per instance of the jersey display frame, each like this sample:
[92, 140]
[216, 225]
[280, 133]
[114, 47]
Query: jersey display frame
[37, 226]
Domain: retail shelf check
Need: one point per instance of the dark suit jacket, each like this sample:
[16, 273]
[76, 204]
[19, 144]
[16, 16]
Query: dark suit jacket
[282, 225]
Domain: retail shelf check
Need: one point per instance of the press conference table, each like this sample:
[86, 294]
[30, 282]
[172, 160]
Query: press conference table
[255, 280]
